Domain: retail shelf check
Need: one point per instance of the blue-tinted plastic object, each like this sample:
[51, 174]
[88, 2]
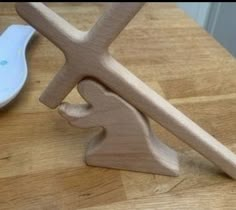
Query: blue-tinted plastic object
[13, 66]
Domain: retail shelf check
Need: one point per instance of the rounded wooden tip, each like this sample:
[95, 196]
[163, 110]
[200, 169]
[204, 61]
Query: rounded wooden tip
[49, 103]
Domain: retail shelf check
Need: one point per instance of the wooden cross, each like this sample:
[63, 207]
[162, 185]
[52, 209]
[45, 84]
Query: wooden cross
[87, 56]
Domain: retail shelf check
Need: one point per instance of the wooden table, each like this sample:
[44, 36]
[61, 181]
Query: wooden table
[41, 156]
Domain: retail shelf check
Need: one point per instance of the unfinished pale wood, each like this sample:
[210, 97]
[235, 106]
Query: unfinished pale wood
[126, 140]
[87, 56]
[41, 155]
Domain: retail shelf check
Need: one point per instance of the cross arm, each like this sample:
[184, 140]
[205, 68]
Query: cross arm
[47, 22]
[60, 86]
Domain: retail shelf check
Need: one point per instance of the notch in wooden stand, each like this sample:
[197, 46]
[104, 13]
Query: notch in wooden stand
[87, 56]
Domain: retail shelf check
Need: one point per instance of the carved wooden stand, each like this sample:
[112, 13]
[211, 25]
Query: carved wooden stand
[87, 56]
[126, 141]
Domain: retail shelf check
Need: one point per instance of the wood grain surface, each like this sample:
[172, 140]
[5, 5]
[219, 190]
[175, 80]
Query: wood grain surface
[41, 156]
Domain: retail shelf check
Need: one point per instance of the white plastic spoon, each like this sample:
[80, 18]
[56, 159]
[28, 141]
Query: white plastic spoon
[13, 66]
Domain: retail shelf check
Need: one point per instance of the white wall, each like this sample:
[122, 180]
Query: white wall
[222, 24]
[197, 10]
[219, 19]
